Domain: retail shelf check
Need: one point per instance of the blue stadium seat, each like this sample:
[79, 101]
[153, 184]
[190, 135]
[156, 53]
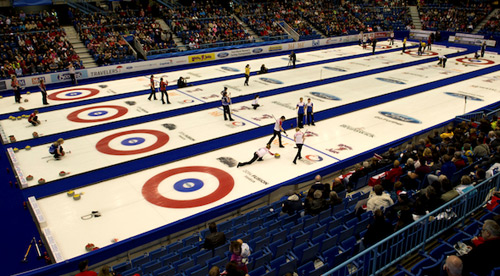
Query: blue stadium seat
[164, 271]
[189, 270]
[139, 261]
[169, 258]
[191, 240]
[201, 257]
[151, 266]
[157, 253]
[309, 254]
[301, 238]
[260, 244]
[345, 234]
[183, 264]
[174, 247]
[213, 260]
[304, 269]
[188, 251]
[121, 267]
[282, 248]
[258, 271]
[287, 267]
[219, 251]
[132, 271]
[275, 264]
[261, 261]
[280, 236]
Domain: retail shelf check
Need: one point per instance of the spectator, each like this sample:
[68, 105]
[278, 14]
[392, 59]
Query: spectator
[214, 239]
[379, 229]
[236, 255]
[337, 185]
[83, 266]
[293, 205]
[483, 258]
[105, 271]
[378, 199]
[232, 270]
[334, 199]
[316, 204]
[453, 266]
[405, 218]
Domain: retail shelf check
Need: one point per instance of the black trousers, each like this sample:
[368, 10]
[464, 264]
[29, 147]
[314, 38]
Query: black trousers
[227, 111]
[278, 133]
[153, 93]
[73, 78]
[164, 93]
[299, 151]
[255, 157]
[310, 118]
[44, 97]
[17, 94]
[300, 120]
[246, 79]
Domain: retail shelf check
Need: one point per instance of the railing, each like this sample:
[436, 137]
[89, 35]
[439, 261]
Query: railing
[289, 30]
[408, 240]
[471, 117]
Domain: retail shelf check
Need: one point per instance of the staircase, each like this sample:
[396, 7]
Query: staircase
[80, 49]
[177, 40]
[481, 25]
[249, 30]
[415, 17]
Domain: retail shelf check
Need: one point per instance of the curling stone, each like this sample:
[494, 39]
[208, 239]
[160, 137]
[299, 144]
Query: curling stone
[15, 149]
[277, 155]
[12, 138]
[70, 193]
[62, 173]
[89, 247]
[19, 117]
[29, 177]
[114, 240]
[77, 196]
[27, 147]
[35, 134]
[27, 93]
[41, 181]
[26, 100]
[21, 108]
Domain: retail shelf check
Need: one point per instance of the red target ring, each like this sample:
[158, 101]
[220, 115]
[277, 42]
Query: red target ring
[73, 116]
[151, 193]
[55, 97]
[103, 144]
[475, 61]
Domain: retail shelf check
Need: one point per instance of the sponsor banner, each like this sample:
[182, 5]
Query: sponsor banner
[420, 34]
[201, 57]
[65, 76]
[3, 85]
[471, 40]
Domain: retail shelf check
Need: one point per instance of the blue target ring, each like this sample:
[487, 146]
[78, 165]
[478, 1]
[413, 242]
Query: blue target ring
[133, 141]
[72, 94]
[188, 185]
[98, 113]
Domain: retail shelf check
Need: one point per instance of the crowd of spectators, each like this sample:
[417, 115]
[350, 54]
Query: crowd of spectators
[103, 33]
[453, 18]
[492, 26]
[205, 25]
[33, 44]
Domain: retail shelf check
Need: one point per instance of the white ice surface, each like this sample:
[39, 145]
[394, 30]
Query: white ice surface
[205, 125]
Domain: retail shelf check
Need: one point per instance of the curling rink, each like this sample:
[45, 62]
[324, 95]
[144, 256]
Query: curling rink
[142, 201]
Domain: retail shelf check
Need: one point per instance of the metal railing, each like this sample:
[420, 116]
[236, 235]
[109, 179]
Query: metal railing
[289, 30]
[415, 236]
